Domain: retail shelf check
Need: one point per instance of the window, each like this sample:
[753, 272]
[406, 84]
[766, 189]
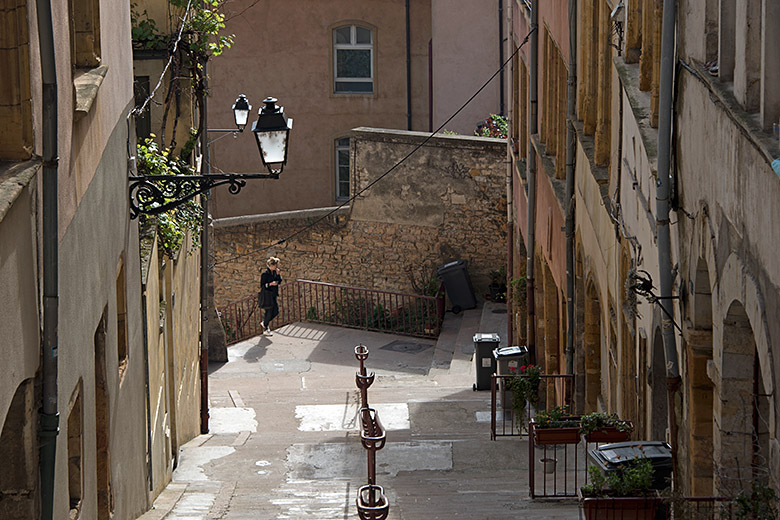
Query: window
[342, 168]
[143, 124]
[75, 450]
[85, 33]
[353, 60]
[121, 318]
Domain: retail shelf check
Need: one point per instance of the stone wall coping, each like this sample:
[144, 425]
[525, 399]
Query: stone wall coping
[281, 215]
[441, 140]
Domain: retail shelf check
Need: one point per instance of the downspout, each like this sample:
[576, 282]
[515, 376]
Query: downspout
[49, 416]
[532, 129]
[510, 212]
[145, 331]
[502, 104]
[430, 85]
[204, 263]
[408, 71]
[571, 158]
[662, 215]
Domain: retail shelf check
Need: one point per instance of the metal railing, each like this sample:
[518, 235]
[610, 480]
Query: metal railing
[554, 390]
[340, 305]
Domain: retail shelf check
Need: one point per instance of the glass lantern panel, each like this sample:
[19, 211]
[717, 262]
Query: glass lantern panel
[273, 146]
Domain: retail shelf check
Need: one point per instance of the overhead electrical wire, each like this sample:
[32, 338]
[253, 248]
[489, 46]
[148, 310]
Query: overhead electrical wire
[391, 169]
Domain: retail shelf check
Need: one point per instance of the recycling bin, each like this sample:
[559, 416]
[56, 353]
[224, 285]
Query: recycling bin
[508, 363]
[610, 457]
[484, 362]
[457, 283]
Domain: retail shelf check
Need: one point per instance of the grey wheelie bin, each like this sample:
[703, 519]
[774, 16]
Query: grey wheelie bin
[484, 362]
[508, 363]
[457, 283]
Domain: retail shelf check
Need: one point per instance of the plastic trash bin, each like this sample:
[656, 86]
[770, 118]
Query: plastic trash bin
[457, 283]
[508, 362]
[610, 457]
[484, 362]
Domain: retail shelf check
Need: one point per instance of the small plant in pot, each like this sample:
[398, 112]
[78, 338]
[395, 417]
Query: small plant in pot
[604, 427]
[525, 389]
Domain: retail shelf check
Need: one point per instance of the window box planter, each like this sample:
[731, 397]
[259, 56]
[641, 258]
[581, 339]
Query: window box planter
[625, 508]
[563, 435]
[609, 434]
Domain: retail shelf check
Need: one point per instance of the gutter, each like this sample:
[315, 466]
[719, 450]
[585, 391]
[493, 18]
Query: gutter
[49, 414]
[408, 71]
[532, 129]
[571, 158]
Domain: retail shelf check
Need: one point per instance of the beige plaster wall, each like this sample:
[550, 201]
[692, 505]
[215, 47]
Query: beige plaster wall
[19, 326]
[465, 55]
[447, 202]
[290, 59]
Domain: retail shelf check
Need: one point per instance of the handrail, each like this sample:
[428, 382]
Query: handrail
[339, 305]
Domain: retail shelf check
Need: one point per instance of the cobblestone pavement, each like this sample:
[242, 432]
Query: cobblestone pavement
[284, 443]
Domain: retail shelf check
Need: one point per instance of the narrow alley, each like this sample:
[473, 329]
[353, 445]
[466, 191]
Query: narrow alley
[284, 442]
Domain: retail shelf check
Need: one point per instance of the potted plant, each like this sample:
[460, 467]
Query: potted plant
[625, 492]
[604, 427]
[524, 387]
[497, 285]
[556, 426]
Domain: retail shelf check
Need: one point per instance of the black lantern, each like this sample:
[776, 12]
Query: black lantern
[271, 130]
[241, 109]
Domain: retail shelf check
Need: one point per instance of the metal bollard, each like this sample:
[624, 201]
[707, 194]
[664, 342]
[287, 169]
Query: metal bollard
[371, 501]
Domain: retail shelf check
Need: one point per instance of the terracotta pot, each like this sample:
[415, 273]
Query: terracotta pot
[609, 434]
[569, 435]
[623, 508]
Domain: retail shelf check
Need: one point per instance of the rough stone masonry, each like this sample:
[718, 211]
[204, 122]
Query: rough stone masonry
[445, 202]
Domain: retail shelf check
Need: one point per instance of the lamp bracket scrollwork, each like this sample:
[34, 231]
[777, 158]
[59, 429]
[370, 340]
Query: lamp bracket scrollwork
[155, 194]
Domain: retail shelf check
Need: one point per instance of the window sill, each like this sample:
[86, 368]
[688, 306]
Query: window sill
[86, 83]
[14, 178]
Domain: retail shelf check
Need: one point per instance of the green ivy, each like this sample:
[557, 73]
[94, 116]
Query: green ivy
[172, 226]
[144, 31]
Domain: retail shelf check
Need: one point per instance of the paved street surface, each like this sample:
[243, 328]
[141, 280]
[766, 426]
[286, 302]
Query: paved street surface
[284, 442]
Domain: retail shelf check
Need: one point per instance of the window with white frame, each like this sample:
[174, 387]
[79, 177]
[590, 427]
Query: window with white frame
[342, 168]
[353, 60]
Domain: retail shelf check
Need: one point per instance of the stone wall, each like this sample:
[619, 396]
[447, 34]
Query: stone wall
[446, 202]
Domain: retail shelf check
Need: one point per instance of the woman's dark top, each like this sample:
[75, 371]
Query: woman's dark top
[269, 276]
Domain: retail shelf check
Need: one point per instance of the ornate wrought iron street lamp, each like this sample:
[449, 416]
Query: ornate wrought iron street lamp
[154, 194]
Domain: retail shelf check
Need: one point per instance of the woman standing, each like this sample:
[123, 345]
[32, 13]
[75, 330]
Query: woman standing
[269, 284]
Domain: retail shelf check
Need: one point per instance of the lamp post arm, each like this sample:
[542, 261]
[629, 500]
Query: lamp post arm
[155, 194]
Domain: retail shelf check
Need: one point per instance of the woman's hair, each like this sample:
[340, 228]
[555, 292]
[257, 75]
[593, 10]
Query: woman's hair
[272, 261]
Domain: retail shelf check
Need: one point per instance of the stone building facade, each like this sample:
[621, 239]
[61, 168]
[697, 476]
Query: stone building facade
[446, 202]
[406, 64]
[724, 205]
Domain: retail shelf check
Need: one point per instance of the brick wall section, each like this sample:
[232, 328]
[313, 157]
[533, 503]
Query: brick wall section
[446, 202]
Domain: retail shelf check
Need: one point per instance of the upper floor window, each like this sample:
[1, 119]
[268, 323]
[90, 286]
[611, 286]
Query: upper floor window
[342, 168]
[353, 60]
[85, 33]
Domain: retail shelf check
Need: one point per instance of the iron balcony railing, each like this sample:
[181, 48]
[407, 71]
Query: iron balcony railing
[340, 305]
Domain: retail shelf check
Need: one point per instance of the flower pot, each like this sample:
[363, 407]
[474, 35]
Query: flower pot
[608, 434]
[624, 508]
[568, 435]
[548, 464]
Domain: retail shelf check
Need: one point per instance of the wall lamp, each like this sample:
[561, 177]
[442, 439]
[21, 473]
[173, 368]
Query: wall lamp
[154, 194]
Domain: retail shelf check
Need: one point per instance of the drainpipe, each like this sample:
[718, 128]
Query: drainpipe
[204, 264]
[408, 72]
[662, 214]
[510, 212]
[532, 129]
[145, 331]
[502, 104]
[49, 416]
[430, 85]
[571, 157]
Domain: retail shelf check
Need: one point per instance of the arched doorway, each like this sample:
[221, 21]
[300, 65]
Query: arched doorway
[592, 344]
[659, 406]
[700, 387]
[741, 446]
[579, 336]
[17, 440]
